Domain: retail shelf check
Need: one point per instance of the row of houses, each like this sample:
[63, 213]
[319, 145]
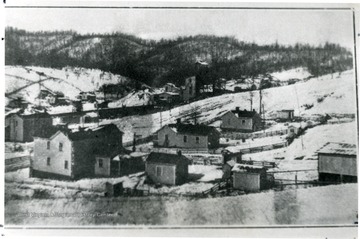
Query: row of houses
[98, 152]
[61, 153]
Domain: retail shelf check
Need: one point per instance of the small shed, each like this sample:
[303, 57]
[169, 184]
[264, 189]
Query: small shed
[250, 178]
[169, 169]
[337, 162]
[113, 190]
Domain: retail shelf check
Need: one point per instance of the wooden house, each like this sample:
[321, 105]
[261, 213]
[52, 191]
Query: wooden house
[167, 98]
[87, 96]
[169, 169]
[241, 120]
[190, 136]
[170, 87]
[21, 126]
[285, 115]
[337, 162]
[115, 164]
[64, 154]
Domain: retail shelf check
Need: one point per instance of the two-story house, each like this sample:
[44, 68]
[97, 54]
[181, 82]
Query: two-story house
[65, 154]
[21, 126]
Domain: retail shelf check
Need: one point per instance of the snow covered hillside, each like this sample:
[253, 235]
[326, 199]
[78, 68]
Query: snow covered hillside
[23, 81]
[135, 98]
[296, 73]
[322, 95]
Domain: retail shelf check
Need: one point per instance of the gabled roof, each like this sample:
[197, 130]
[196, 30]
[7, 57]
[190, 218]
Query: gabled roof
[244, 113]
[191, 129]
[164, 158]
[338, 148]
[99, 132]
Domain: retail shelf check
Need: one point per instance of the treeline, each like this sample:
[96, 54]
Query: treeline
[157, 62]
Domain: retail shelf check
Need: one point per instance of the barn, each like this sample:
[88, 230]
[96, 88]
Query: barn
[337, 162]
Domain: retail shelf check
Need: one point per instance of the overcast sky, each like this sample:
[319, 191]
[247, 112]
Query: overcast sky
[261, 26]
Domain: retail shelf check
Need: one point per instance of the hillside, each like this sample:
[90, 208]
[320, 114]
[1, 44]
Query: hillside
[24, 81]
[156, 63]
[328, 94]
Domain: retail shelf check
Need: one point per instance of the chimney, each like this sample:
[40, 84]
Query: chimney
[179, 152]
[253, 110]
[178, 120]
[237, 109]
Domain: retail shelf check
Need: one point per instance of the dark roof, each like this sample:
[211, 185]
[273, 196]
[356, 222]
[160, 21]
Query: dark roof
[338, 148]
[244, 113]
[175, 159]
[46, 132]
[35, 114]
[111, 151]
[198, 129]
[100, 132]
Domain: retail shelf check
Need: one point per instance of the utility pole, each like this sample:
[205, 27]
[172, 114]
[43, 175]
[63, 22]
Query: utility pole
[260, 106]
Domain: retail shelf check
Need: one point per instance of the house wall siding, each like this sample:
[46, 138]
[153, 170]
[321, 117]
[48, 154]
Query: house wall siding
[168, 175]
[177, 140]
[105, 169]
[246, 181]
[337, 164]
[57, 158]
[230, 121]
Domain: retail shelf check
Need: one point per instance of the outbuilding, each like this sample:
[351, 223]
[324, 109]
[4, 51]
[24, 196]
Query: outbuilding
[169, 169]
[337, 162]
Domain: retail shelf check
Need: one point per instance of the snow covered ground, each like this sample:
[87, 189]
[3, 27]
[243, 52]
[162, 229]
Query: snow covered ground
[68, 80]
[305, 148]
[139, 98]
[327, 95]
[296, 73]
[328, 205]
[93, 184]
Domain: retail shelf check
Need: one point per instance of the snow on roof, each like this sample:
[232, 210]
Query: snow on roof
[92, 114]
[14, 111]
[231, 163]
[338, 148]
[61, 109]
[240, 167]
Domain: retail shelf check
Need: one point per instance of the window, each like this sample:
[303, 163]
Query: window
[66, 165]
[197, 140]
[48, 145]
[158, 171]
[185, 138]
[48, 161]
[229, 121]
[60, 147]
[292, 130]
[100, 163]
[16, 123]
[243, 121]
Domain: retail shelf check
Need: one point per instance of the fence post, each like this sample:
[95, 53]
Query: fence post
[296, 180]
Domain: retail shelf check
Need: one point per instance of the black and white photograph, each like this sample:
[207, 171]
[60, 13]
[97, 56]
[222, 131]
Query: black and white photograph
[180, 115]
